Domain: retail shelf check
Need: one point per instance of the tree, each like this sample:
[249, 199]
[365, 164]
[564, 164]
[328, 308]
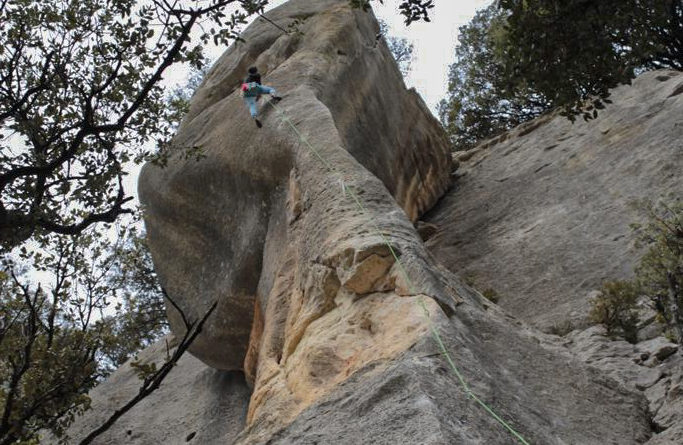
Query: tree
[481, 102]
[80, 98]
[80, 94]
[658, 276]
[178, 101]
[139, 309]
[412, 10]
[69, 315]
[36, 356]
[400, 48]
[615, 308]
[150, 375]
[518, 59]
[574, 51]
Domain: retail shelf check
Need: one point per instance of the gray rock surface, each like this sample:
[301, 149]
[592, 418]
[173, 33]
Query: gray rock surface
[195, 404]
[209, 221]
[417, 399]
[654, 367]
[541, 214]
[335, 340]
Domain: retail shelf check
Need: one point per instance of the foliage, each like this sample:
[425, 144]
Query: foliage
[178, 101]
[412, 10]
[151, 376]
[80, 97]
[401, 48]
[519, 58]
[470, 280]
[62, 330]
[80, 100]
[574, 50]
[481, 103]
[491, 295]
[615, 309]
[659, 274]
[139, 313]
[44, 371]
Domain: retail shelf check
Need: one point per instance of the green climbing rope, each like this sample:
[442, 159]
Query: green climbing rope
[349, 191]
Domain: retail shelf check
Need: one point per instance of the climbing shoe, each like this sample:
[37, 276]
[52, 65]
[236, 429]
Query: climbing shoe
[276, 99]
[258, 123]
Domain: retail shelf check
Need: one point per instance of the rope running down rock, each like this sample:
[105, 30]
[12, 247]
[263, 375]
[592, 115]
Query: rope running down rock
[349, 192]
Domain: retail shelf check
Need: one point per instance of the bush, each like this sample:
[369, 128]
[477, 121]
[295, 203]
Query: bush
[659, 274]
[491, 295]
[615, 309]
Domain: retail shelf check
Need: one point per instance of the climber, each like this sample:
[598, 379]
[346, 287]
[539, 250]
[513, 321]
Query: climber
[252, 90]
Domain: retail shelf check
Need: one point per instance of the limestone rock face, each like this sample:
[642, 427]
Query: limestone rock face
[288, 231]
[195, 404]
[541, 214]
[654, 367]
[218, 227]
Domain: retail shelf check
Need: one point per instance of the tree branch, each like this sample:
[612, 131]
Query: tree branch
[153, 382]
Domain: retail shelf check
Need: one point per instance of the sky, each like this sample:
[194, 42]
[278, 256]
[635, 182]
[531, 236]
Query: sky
[434, 42]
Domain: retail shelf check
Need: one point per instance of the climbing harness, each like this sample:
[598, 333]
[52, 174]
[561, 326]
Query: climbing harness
[350, 192]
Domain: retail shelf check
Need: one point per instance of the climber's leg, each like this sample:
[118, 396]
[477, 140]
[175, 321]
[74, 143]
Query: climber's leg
[262, 89]
[269, 90]
[250, 101]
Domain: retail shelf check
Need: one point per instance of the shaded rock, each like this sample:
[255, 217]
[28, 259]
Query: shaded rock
[649, 328]
[615, 358]
[659, 347]
[543, 212]
[632, 366]
[426, 230]
[194, 400]
[666, 404]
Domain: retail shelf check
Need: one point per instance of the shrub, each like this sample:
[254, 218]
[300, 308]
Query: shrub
[491, 295]
[615, 309]
[659, 274]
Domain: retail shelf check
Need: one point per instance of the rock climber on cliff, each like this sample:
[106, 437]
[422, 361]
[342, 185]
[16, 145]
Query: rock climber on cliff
[252, 91]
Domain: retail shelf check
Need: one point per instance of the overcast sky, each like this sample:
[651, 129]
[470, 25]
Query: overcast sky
[434, 42]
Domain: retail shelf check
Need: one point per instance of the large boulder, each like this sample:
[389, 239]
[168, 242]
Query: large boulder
[542, 214]
[287, 228]
[217, 227]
